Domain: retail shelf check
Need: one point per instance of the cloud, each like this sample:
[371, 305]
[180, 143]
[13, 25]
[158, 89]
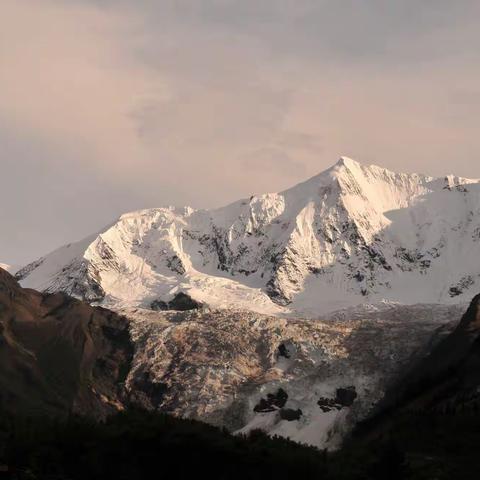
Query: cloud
[271, 160]
[107, 106]
[66, 76]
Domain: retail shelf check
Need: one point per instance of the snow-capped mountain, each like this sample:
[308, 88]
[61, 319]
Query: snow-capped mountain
[309, 380]
[350, 235]
[343, 240]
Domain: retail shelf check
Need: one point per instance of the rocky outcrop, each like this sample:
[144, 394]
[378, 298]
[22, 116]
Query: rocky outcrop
[346, 396]
[290, 415]
[274, 401]
[181, 302]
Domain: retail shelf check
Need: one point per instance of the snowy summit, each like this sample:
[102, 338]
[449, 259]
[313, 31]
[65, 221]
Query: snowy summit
[350, 235]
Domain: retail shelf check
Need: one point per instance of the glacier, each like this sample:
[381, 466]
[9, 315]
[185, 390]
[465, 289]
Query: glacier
[217, 365]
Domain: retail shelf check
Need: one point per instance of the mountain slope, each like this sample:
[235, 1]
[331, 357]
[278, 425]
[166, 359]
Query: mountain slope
[310, 381]
[448, 379]
[59, 355]
[428, 424]
[350, 235]
[426, 436]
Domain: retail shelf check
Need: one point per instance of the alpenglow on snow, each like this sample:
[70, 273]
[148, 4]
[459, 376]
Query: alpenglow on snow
[353, 234]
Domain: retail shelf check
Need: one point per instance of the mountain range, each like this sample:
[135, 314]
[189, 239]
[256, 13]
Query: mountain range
[308, 380]
[351, 235]
[294, 312]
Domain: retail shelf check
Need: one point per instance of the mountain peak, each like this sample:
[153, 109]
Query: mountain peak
[347, 234]
[343, 166]
[357, 168]
[347, 162]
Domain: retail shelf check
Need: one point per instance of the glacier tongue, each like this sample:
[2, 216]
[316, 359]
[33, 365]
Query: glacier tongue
[350, 235]
[309, 380]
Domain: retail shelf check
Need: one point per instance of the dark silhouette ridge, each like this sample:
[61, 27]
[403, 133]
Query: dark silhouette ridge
[59, 355]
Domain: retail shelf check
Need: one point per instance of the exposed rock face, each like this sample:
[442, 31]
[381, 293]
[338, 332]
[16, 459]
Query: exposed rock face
[346, 396]
[328, 404]
[59, 355]
[181, 301]
[273, 402]
[290, 415]
[283, 351]
[350, 235]
[226, 367]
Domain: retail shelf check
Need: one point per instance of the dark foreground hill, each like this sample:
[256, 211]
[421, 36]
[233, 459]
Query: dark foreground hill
[146, 445]
[428, 425]
[64, 413]
[59, 355]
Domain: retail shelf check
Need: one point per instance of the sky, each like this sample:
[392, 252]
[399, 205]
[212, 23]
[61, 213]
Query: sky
[109, 106]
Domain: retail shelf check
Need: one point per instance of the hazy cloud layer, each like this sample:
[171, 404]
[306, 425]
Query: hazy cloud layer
[109, 106]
